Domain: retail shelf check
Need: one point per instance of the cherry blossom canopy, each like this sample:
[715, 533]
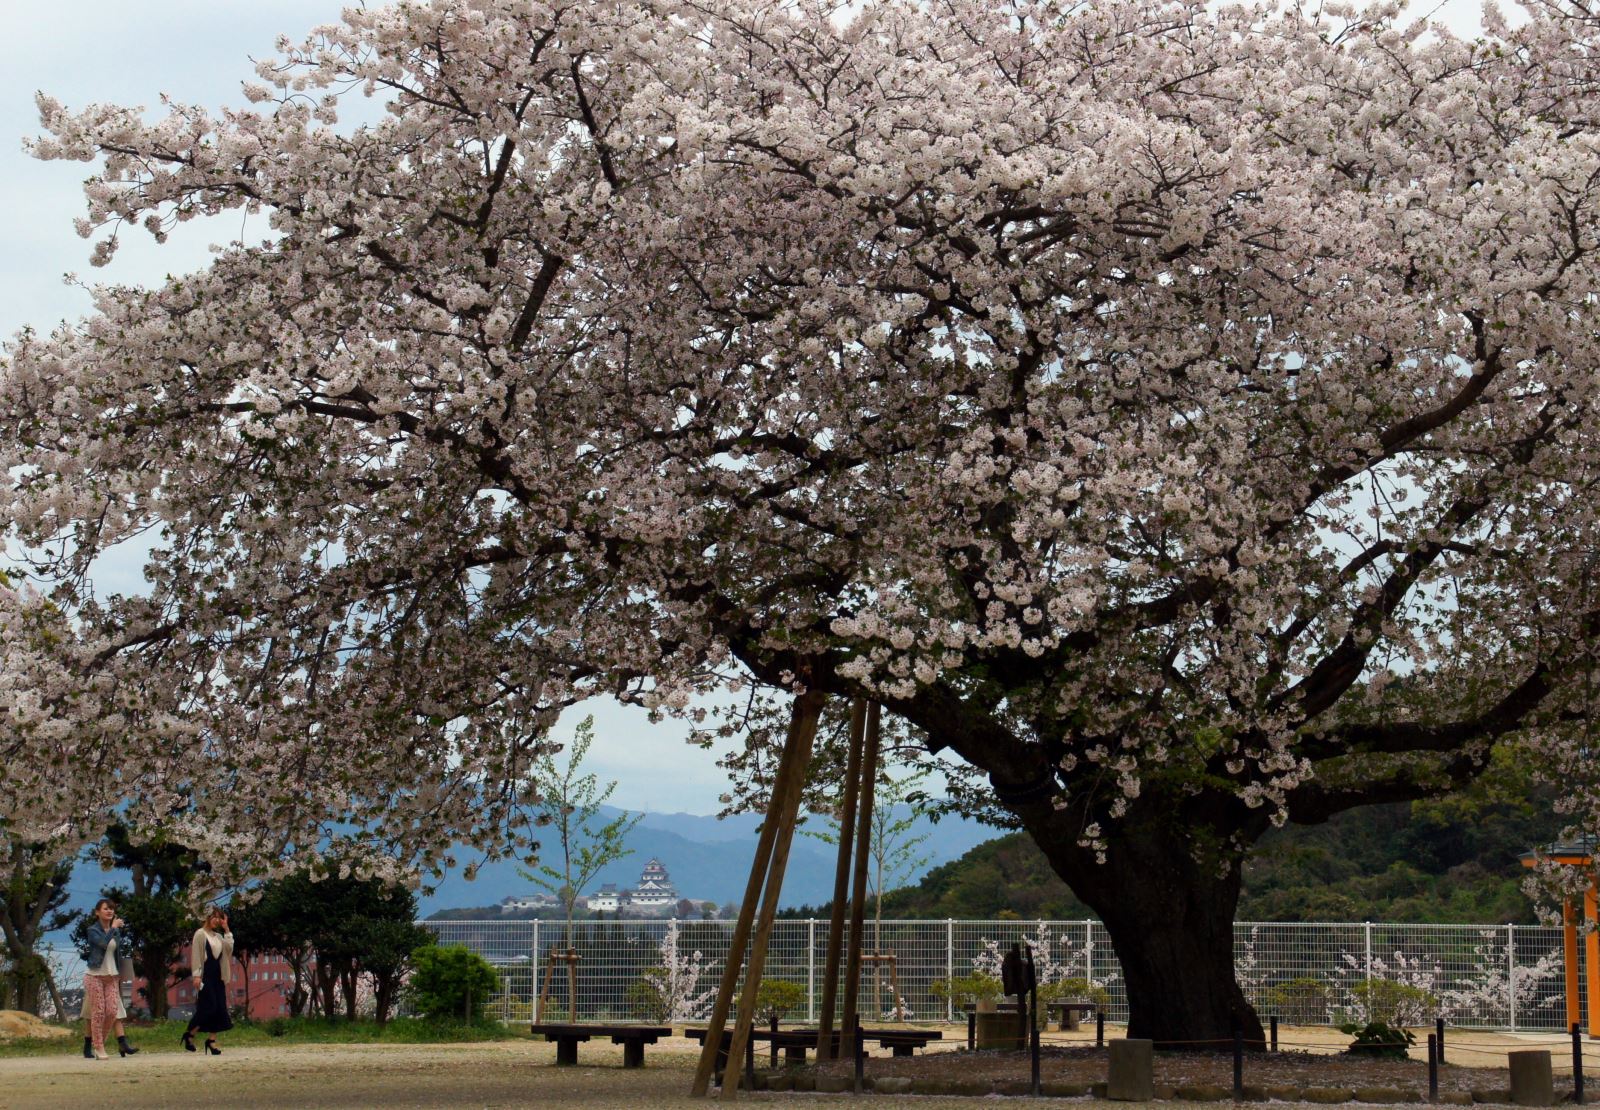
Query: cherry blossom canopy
[1158, 405]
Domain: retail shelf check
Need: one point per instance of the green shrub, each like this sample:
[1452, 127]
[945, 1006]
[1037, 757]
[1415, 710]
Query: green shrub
[647, 997]
[451, 982]
[776, 997]
[1385, 1002]
[1304, 1001]
[1377, 1038]
[962, 989]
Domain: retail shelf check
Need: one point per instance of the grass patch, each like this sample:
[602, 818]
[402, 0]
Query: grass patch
[165, 1036]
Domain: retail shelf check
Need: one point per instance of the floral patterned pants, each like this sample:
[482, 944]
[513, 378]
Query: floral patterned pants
[99, 1006]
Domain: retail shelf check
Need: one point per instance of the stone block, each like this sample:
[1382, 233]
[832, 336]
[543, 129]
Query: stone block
[1130, 1077]
[1013, 1086]
[1532, 1081]
[778, 1081]
[1386, 1095]
[1326, 1094]
[1491, 1094]
[1202, 1092]
[835, 1084]
[805, 1081]
[959, 1087]
[1061, 1088]
[892, 1085]
[1456, 1098]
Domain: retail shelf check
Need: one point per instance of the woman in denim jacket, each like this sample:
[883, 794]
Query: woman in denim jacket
[101, 982]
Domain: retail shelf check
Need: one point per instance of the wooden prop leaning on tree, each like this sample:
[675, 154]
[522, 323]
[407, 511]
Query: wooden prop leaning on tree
[841, 879]
[772, 856]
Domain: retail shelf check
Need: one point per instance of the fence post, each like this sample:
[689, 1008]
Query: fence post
[950, 968]
[811, 970]
[1577, 1063]
[1088, 951]
[533, 968]
[1433, 1068]
[1511, 974]
[1367, 929]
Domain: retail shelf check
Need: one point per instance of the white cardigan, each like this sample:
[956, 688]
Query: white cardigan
[197, 953]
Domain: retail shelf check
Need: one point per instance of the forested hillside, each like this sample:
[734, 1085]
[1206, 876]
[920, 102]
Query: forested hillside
[1447, 861]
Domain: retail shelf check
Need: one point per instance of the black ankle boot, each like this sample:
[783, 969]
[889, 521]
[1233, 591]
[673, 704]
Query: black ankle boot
[88, 1049]
[124, 1048]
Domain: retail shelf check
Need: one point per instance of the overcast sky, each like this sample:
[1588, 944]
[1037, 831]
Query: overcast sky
[198, 51]
[96, 51]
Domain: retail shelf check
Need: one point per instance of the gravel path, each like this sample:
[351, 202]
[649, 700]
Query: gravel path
[496, 1074]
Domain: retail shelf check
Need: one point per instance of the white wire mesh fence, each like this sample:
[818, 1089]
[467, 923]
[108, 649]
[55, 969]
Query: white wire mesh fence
[1474, 976]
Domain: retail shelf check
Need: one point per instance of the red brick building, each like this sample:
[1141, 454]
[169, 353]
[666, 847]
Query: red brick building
[265, 982]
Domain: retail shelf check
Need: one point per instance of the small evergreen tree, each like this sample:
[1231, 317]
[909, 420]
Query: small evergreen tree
[451, 982]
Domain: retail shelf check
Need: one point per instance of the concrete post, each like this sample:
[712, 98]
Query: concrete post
[1132, 1071]
[1532, 1083]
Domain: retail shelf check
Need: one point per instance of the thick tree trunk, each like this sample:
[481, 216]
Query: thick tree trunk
[156, 969]
[1170, 916]
[29, 976]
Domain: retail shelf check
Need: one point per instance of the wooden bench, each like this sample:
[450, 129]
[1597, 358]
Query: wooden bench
[632, 1038]
[903, 1041]
[1069, 1012]
[797, 1042]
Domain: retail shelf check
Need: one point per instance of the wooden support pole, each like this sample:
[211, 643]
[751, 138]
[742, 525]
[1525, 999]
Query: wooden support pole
[572, 986]
[789, 768]
[784, 811]
[858, 895]
[544, 987]
[841, 881]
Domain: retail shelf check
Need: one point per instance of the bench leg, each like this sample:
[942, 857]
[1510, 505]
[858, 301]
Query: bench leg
[902, 1050]
[795, 1053]
[633, 1054]
[566, 1051]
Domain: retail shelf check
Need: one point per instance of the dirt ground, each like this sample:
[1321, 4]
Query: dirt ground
[497, 1074]
[1309, 1057]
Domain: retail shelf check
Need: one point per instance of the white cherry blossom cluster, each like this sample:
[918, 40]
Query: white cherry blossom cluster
[1164, 408]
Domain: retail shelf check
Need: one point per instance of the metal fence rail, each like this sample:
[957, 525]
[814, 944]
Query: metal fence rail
[1476, 976]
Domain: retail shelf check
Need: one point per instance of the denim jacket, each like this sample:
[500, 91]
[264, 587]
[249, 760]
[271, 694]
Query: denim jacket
[94, 952]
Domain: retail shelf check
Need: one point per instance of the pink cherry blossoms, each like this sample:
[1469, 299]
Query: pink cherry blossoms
[1156, 405]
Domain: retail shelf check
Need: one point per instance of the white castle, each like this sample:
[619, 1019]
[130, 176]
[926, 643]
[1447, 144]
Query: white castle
[654, 891]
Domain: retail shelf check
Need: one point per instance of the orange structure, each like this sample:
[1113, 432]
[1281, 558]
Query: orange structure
[1580, 853]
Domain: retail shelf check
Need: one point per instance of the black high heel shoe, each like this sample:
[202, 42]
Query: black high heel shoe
[188, 1041]
[124, 1048]
[211, 1047]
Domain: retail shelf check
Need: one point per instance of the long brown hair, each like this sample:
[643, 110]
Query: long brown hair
[103, 902]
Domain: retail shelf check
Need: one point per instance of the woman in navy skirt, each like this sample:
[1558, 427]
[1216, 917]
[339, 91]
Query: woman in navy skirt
[211, 967]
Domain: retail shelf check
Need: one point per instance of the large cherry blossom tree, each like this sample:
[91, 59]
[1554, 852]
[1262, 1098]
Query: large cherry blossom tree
[1182, 415]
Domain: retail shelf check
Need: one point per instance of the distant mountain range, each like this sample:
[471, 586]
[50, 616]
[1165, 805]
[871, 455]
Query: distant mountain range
[709, 861]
